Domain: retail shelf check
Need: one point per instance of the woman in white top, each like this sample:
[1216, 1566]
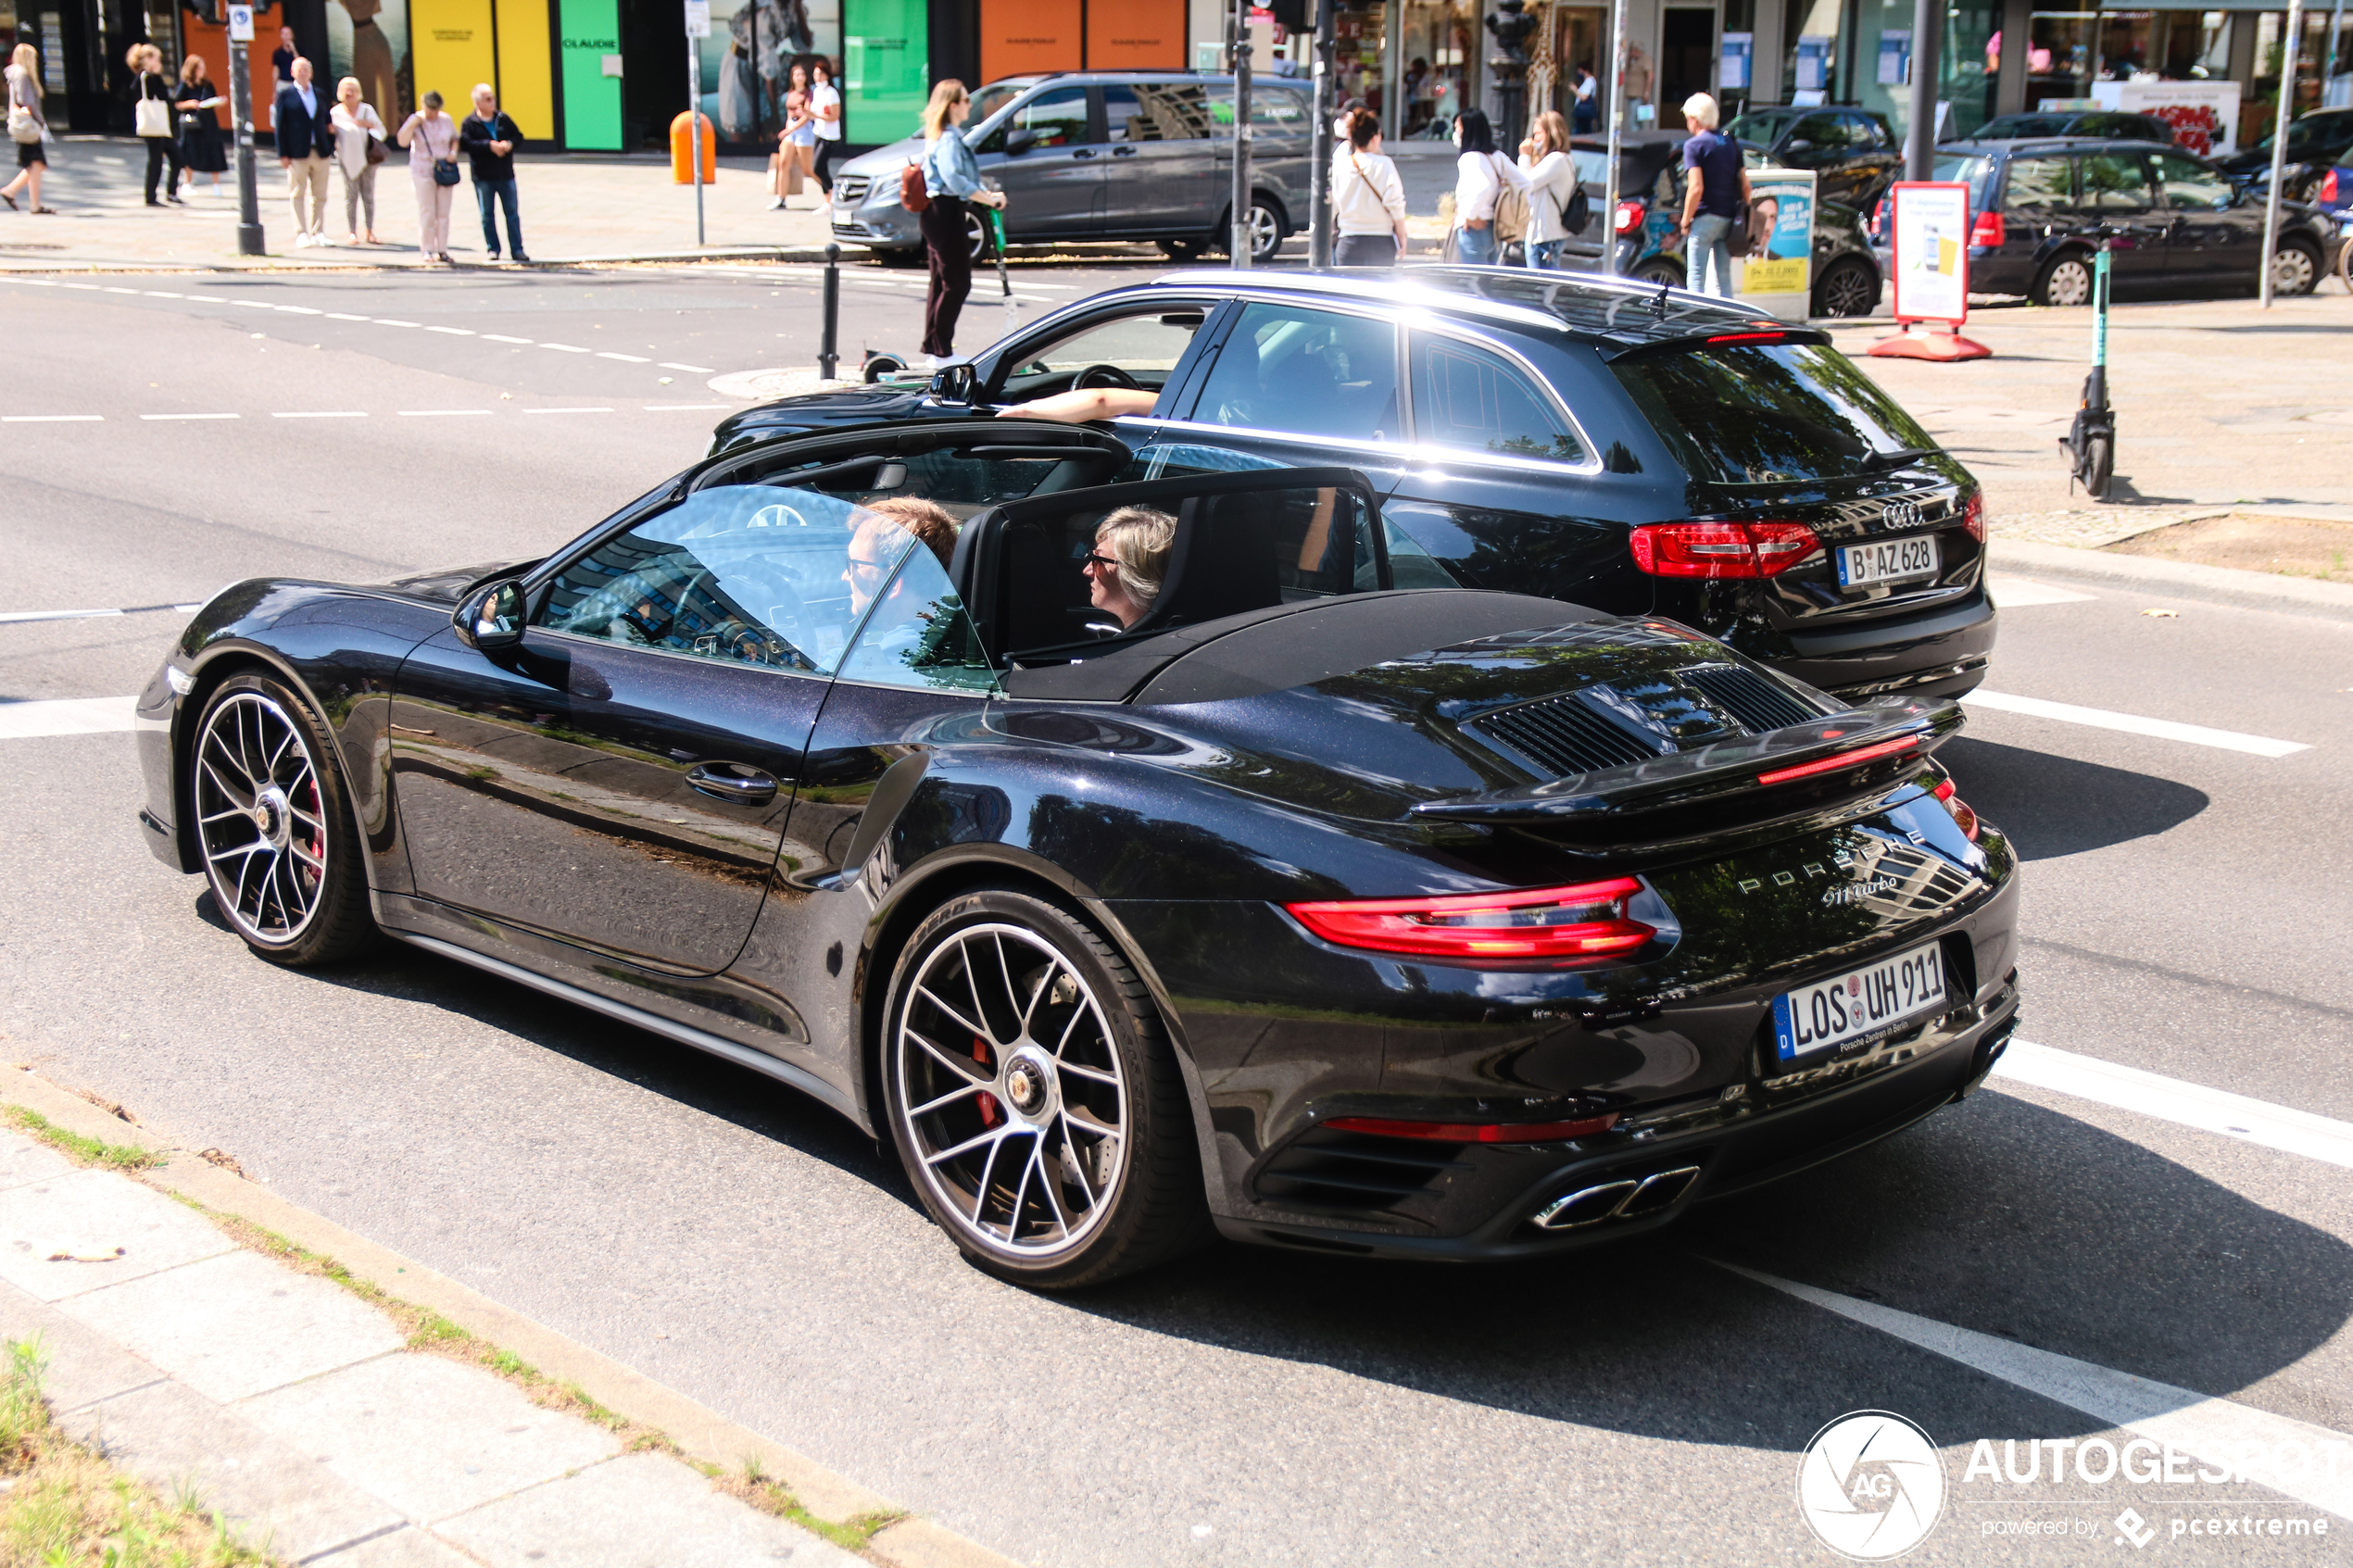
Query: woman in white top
[359, 133]
[1368, 199]
[825, 109]
[1552, 180]
[1480, 174]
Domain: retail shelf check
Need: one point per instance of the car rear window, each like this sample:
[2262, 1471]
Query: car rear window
[1766, 413]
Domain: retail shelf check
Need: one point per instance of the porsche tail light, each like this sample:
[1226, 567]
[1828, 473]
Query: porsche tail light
[1721, 550]
[1962, 815]
[1630, 218]
[1973, 515]
[1843, 759]
[1987, 230]
[1581, 922]
[1475, 1132]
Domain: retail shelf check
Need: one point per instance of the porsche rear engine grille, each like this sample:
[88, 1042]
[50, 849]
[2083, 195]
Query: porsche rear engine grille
[1759, 704]
[1329, 1169]
[1564, 736]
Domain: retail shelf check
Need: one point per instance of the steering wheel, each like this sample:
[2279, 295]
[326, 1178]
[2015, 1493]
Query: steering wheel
[1106, 375]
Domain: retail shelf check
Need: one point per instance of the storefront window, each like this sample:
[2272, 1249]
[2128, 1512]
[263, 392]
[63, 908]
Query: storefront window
[1439, 36]
[1356, 54]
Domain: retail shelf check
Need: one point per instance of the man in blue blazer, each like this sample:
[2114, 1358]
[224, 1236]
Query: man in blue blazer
[305, 149]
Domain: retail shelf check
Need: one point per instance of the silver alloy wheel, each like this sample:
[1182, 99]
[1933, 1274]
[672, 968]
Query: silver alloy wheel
[1848, 290]
[259, 818]
[1011, 1092]
[1265, 232]
[2070, 282]
[975, 232]
[2293, 272]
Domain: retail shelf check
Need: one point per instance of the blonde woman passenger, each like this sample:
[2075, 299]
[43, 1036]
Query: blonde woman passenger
[1368, 199]
[358, 130]
[1128, 563]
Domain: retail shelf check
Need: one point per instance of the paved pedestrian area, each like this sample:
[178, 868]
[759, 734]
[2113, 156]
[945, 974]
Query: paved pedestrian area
[295, 1412]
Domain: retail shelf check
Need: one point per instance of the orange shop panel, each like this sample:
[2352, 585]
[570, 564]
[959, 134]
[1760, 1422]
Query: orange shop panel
[1136, 35]
[1017, 36]
[211, 41]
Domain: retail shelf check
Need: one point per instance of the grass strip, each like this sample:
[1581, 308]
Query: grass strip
[89, 1150]
[64, 1507]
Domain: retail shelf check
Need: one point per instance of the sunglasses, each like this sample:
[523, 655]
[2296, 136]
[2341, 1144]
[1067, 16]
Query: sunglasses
[1105, 561]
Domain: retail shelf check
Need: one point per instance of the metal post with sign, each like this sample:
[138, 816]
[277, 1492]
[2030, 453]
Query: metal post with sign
[1240, 242]
[698, 29]
[1320, 227]
[1617, 121]
[250, 238]
[1928, 228]
[2295, 37]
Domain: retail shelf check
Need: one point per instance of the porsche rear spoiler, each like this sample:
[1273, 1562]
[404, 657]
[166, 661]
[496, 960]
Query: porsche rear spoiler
[1805, 768]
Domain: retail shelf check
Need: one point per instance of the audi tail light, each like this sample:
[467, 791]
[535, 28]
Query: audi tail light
[1962, 816]
[1843, 759]
[1973, 515]
[1721, 550]
[1475, 1132]
[1581, 922]
[1987, 230]
[1630, 218]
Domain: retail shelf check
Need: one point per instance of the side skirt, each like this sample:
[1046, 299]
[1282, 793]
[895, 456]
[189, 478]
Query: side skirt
[685, 1034]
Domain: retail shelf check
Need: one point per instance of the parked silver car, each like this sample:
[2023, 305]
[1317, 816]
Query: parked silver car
[1107, 156]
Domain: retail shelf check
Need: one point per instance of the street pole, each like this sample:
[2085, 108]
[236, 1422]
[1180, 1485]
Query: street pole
[1320, 227]
[1617, 126]
[249, 239]
[2288, 50]
[698, 29]
[2328, 72]
[1928, 34]
[1238, 244]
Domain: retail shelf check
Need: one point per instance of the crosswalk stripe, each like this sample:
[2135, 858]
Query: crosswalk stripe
[2172, 1100]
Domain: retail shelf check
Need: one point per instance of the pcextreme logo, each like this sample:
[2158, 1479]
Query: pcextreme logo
[1870, 1486]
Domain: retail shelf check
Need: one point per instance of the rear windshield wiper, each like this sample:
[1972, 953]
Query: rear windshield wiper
[1901, 458]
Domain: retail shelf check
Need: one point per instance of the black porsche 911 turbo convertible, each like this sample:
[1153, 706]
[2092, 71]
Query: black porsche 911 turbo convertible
[1432, 922]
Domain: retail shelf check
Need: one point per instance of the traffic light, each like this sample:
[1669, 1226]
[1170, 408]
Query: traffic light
[1293, 16]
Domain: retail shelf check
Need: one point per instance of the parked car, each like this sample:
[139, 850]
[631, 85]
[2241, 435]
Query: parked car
[1847, 278]
[2316, 141]
[1637, 450]
[2171, 220]
[1306, 908]
[2110, 124]
[1855, 152]
[1106, 156]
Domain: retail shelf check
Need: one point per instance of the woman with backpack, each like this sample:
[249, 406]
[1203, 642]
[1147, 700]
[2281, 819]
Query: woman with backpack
[950, 178]
[1368, 199]
[1552, 186]
[1485, 184]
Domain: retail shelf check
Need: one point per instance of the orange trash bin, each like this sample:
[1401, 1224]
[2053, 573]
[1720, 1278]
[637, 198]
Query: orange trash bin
[682, 157]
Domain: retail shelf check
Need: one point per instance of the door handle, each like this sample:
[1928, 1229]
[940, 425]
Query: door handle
[732, 782]
[1123, 152]
[1082, 152]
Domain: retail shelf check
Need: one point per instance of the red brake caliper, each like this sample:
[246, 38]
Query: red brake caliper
[990, 1113]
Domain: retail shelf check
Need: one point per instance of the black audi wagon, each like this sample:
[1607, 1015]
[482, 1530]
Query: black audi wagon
[1626, 446]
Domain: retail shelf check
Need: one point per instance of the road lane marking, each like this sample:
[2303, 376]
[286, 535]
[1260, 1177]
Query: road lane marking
[625, 359]
[188, 415]
[346, 316]
[20, 616]
[50, 418]
[501, 337]
[690, 370]
[453, 331]
[323, 414]
[86, 288]
[2189, 1420]
[162, 294]
[297, 310]
[248, 304]
[72, 716]
[684, 407]
[564, 347]
[388, 321]
[567, 410]
[2015, 593]
[2133, 724]
[2172, 1100]
[438, 413]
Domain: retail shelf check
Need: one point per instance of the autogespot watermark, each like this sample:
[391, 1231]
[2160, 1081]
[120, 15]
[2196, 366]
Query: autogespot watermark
[1871, 1486]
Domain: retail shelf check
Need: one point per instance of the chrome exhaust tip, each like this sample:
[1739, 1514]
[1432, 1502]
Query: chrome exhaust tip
[1623, 1200]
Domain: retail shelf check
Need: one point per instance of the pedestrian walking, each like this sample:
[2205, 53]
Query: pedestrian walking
[1481, 177]
[281, 61]
[359, 148]
[306, 151]
[192, 103]
[1715, 186]
[824, 109]
[1368, 199]
[796, 144]
[952, 180]
[431, 137]
[151, 117]
[490, 138]
[1588, 109]
[1551, 180]
[28, 128]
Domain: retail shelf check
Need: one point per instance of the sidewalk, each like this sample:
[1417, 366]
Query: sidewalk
[330, 1422]
[575, 208]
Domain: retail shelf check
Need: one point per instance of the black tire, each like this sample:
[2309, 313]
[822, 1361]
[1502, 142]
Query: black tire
[1009, 1089]
[1848, 287]
[1184, 250]
[2296, 269]
[905, 256]
[2064, 281]
[2099, 465]
[1268, 223]
[1657, 270]
[280, 849]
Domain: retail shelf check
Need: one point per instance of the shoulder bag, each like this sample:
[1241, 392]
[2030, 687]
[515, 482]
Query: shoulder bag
[912, 194]
[22, 127]
[445, 171]
[1511, 209]
[150, 116]
[374, 151]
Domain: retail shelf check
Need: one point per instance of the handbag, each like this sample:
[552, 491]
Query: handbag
[373, 152]
[151, 117]
[22, 127]
[1736, 242]
[789, 168]
[1579, 211]
[1511, 211]
[912, 194]
[445, 171]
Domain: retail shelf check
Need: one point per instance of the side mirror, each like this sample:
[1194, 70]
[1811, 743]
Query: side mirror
[491, 616]
[1019, 142]
[955, 383]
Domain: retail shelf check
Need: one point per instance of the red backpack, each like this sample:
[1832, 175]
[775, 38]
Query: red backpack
[912, 194]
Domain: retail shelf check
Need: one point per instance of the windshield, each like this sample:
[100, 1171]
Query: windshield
[1767, 413]
[1761, 127]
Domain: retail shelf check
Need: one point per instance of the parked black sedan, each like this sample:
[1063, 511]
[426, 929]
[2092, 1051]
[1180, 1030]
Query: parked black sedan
[1856, 153]
[2315, 142]
[2171, 221]
[1623, 445]
[1296, 904]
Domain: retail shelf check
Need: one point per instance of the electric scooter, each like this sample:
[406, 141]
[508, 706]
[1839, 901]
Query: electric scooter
[2090, 441]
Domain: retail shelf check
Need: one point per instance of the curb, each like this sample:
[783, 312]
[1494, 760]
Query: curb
[700, 1430]
[2258, 590]
[771, 255]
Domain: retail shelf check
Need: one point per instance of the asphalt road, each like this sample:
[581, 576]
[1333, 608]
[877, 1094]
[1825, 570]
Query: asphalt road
[2184, 908]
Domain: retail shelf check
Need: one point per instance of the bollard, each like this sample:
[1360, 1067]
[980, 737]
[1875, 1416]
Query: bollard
[826, 359]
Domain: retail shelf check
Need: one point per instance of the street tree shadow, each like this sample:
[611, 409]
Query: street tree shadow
[2051, 805]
